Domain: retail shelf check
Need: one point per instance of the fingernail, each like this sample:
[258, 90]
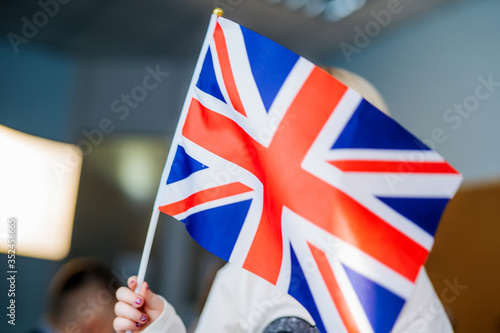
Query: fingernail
[137, 325]
[138, 301]
[131, 283]
[147, 286]
[143, 318]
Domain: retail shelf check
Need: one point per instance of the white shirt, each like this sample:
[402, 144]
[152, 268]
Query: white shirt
[242, 302]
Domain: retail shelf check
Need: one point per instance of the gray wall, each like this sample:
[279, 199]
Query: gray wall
[424, 67]
[104, 84]
[36, 88]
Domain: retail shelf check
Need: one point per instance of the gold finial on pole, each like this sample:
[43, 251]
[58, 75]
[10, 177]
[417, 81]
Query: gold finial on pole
[218, 11]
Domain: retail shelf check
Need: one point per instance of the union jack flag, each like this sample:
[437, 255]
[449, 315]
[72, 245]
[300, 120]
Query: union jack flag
[279, 168]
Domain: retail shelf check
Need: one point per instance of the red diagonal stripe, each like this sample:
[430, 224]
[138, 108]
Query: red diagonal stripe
[393, 166]
[221, 136]
[286, 183]
[334, 289]
[227, 72]
[359, 226]
[207, 195]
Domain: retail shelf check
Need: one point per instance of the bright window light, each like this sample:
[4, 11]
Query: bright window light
[38, 187]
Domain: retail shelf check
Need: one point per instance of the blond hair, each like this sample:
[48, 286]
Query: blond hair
[362, 86]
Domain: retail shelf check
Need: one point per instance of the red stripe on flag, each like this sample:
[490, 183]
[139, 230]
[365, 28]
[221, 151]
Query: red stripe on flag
[334, 289]
[393, 166]
[227, 73]
[207, 195]
[278, 168]
[360, 227]
[221, 136]
[285, 182]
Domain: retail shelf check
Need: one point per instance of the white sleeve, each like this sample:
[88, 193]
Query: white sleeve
[167, 322]
[423, 312]
[239, 301]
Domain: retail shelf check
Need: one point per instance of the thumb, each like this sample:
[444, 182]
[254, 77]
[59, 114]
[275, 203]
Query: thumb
[152, 302]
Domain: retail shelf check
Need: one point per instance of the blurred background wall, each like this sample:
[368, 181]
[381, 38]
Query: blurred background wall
[429, 68]
[427, 59]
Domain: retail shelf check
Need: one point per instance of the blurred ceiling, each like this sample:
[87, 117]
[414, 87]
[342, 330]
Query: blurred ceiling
[171, 28]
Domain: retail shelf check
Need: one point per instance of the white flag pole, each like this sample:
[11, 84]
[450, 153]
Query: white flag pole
[147, 248]
[146, 252]
[156, 212]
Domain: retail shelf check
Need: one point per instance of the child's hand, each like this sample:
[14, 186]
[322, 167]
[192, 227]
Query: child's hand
[136, 311]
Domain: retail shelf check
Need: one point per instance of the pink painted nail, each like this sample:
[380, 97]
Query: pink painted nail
[138, 301]
[137, 325]
[143, 318]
